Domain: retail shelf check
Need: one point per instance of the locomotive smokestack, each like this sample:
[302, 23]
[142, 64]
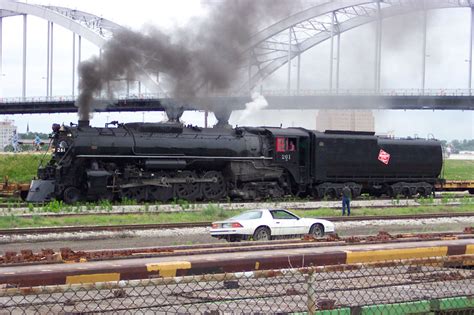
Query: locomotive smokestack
[83, 123]
[174, 113]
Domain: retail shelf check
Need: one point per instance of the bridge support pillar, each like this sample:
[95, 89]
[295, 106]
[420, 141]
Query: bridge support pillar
[338, 58]
[423, 56]
[79, 50]
[378, 49]
[49, 61]
[334, 29]
[471, 39]
[23, 86]
[331, 50]
[288, 82]
[73, 64]
[1, 58]
[298, 75]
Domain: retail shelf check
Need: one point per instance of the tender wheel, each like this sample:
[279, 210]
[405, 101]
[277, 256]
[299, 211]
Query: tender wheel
[331, 193]
[262, 234]
[216, 189]
[406, 192]
[71, 195]
[317, 230]
[422, 192]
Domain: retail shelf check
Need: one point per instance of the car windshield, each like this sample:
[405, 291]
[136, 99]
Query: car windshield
[249, 215]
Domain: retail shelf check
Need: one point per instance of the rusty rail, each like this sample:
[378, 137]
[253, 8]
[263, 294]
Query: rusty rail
[68, 255]
[456, 260]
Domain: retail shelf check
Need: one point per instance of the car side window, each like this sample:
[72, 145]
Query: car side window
[282, 215]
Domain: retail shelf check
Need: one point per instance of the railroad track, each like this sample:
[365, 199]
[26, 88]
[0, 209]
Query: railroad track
[101, 228]
[66, 255]
[20, 204]
[167, 208]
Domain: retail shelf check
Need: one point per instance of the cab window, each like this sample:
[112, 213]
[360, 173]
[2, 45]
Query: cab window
[283, 144]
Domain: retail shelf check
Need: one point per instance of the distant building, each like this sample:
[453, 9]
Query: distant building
[7, 128]
[352, 120]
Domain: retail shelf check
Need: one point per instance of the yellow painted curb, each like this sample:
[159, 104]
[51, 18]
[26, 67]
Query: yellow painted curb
[92, 278]
[168, 269]
[394, 254]
[469, 249]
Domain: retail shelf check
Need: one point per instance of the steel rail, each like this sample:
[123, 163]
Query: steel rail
[18, 205]
[182, 225]
[67, 255]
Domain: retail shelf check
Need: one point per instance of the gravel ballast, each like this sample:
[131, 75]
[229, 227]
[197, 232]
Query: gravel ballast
[187, 236]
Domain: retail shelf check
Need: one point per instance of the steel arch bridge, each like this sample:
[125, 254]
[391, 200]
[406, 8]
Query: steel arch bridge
[269, 49]
[278, 44]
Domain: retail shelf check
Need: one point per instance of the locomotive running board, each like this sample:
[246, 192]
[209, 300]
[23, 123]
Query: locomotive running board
[243, 158]
[167, 183]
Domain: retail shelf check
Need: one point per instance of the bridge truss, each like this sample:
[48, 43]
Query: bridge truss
[270, 49]
[282, 42]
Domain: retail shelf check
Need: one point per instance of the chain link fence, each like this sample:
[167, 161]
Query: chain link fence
[422, 286]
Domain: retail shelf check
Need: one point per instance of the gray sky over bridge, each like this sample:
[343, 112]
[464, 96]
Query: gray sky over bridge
[446, 64]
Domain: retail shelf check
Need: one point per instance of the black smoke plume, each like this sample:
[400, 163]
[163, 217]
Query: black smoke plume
[204, 55]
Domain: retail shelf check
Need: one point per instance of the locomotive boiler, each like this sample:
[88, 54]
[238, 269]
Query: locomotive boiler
[164, 161]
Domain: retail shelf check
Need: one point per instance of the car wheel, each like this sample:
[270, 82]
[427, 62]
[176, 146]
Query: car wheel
[262, 234]
[317, 230]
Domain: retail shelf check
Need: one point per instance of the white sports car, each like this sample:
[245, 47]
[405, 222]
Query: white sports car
[265, 224]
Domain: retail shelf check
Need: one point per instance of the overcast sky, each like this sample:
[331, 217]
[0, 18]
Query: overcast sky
[447, 51]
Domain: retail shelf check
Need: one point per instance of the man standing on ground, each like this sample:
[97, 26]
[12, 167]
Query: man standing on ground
[346, 200]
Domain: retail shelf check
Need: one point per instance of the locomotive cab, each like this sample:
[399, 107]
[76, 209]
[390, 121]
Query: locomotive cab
[293, 154]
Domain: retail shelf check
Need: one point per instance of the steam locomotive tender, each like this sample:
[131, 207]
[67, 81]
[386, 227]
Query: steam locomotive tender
[163, 161]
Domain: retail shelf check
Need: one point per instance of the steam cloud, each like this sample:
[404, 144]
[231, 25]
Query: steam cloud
[206, 54]
[258, 103]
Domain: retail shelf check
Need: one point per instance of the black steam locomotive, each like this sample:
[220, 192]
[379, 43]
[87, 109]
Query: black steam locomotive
[163, 161]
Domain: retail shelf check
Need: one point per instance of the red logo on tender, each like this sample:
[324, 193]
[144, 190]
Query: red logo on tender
[384, 157]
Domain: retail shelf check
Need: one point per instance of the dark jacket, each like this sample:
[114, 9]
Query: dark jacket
[346, 192]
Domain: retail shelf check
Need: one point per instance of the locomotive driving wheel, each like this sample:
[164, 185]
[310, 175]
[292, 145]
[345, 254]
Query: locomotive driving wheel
[190, 190]
[215, 189]
[159, 193]
[71, 195]
[134, 193]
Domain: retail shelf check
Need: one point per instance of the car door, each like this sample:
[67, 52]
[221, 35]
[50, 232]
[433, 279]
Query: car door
[285, 223]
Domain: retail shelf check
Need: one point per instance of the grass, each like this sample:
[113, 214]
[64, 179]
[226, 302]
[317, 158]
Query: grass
[458, 169]
[20, 168]
[388, 211]
[211, 213]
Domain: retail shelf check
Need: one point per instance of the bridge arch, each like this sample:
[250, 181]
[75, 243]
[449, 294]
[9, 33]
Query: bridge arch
[273, 47]
[95, 29]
